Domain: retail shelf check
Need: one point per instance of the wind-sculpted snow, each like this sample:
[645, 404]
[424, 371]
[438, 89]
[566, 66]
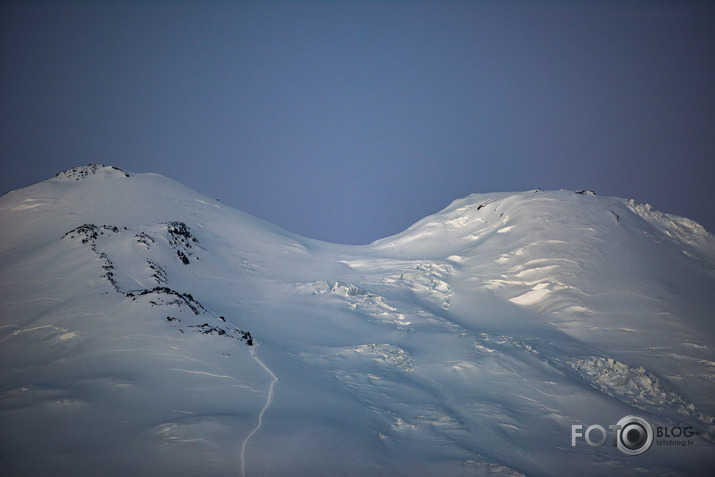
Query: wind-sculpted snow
[469, 344]
[535, 283]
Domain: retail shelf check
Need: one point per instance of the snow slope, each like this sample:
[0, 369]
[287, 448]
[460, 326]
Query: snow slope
[148, 329]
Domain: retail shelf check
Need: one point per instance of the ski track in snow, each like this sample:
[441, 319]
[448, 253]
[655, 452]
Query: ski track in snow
[269, 400]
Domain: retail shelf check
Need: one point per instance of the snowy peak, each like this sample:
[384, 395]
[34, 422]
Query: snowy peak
[83, 172]
[467, 222]
[105, 195]
[576, 261]
[556, 215]
[468, 344]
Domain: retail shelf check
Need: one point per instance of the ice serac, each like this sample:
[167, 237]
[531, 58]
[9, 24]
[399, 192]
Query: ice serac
[147, 328]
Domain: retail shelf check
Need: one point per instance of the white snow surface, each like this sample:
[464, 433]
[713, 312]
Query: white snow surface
[466, 345]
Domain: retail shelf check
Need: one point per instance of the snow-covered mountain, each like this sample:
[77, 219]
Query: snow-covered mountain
[147, 329]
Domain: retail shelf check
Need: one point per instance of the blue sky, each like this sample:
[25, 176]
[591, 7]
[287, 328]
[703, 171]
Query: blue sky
[348, 121]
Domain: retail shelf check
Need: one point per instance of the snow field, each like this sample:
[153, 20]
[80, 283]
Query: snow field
[466, 345]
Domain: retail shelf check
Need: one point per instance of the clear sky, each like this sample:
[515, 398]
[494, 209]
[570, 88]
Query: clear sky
[348, 121]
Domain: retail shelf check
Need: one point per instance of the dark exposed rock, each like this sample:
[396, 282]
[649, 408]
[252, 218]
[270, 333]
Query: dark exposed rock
[159, 274]
[240, 335]
[180, 232]
[181, 239]
[120, 170]
[184, 259]
[80, 172]
[145, 239]
[179, 298]
[108, 268]
[90, 232]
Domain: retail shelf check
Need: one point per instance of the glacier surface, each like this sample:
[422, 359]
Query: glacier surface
[148, 329]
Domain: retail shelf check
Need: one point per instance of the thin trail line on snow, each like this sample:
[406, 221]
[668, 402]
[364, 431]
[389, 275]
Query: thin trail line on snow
[269, 400]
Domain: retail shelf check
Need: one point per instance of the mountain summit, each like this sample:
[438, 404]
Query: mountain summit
[146, 328]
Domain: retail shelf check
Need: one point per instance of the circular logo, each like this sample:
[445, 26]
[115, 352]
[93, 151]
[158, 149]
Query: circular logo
[634, 435]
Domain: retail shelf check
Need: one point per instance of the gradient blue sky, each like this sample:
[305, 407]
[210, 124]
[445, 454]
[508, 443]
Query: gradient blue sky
[348, 121]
